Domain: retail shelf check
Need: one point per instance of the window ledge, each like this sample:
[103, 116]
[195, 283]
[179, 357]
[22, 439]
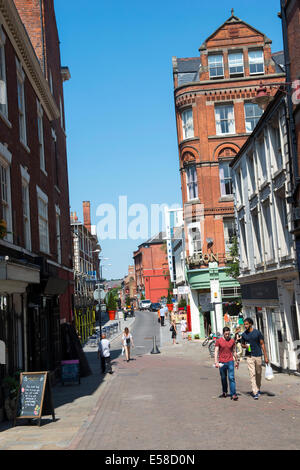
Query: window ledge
[5, 120]
[193, 201]
[259, 265]
[278, 172]
[221, 136]
[25, 146]
[188, 139]
[228, 198]
[252, 196]
[240, 207]
[271, 262]
[44, 171]
[264, 184]
[57, 188]
[286, 259]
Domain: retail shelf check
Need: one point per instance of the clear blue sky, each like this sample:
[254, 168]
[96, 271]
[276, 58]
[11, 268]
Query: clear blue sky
[121, 133]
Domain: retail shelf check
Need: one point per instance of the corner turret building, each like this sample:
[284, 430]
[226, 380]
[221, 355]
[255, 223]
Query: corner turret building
[215, 114]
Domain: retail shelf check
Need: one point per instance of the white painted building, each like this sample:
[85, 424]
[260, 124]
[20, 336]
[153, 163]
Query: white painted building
[268, 263]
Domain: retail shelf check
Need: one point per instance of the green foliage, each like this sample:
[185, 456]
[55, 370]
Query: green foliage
[142, 297]
[233, 266]
[111, 300]
[11, 384]
[182, 303]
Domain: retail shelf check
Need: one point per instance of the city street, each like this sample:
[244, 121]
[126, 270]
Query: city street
[171, 401]
[165, 401]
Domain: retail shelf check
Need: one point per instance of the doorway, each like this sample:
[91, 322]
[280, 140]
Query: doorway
[272, 336]
[207, 323]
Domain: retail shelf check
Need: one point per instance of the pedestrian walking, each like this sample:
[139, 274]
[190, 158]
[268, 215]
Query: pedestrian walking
[127, 341]
[104, 354]
[183, 327]
[253, 342]
[158, 316]
[173, 329]
[162, 315]
[225, 353]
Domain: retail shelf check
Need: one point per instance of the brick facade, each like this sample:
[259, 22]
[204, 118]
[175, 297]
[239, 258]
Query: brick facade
[211, 93]
[151, 270]
[206, 149]
[31, 51]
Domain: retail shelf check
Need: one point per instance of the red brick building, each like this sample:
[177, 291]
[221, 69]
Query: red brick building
[36, 280]
[151, 269]
[215, 115]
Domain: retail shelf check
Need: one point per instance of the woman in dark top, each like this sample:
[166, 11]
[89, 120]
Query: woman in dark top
[174, 331]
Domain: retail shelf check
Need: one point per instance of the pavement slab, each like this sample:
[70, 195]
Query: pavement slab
[163, 401]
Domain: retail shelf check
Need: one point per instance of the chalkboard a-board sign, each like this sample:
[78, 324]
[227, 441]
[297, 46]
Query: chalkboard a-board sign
[70, 371]
[34, 397]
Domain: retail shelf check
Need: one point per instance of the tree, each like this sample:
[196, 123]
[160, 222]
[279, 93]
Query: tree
[233, 266]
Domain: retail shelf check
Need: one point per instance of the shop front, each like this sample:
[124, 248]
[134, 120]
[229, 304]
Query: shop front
[15, 277]
[273, 306]
[211, 289]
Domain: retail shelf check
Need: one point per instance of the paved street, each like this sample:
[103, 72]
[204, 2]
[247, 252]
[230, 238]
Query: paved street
[164, 401]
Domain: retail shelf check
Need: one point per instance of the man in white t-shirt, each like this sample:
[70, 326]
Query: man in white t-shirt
[163, 312]
[104, 354]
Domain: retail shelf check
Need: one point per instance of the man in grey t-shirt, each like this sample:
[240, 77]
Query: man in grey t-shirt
[104, 354]
[253, 342]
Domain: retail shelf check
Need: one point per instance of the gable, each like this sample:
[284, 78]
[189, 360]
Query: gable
[234, 31]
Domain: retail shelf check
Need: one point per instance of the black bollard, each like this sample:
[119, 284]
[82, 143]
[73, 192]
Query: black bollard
[155, 349]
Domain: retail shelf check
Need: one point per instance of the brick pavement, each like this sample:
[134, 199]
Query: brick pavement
[165, 401]
[171, 401]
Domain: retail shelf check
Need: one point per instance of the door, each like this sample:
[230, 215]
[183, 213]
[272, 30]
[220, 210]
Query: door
[272, 336]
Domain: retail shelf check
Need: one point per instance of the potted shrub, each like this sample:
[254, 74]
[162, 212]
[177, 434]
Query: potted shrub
[10, 387]
[169, 301]
[111, 306]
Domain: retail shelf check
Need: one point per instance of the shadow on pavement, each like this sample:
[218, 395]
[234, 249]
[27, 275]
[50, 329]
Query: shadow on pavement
[63, 394]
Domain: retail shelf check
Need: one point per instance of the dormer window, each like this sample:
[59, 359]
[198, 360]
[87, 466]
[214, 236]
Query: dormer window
[216, 66]
[256, 61]
[236, 63]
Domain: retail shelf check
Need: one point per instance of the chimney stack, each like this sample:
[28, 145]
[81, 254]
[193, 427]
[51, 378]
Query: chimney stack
[87, 214]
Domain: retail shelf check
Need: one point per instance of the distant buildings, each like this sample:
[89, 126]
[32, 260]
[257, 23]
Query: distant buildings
[151, 269]
[86, 251]
[129, 288]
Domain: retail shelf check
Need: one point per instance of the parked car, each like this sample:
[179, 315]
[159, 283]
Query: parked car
[155, 307]
[145, 304]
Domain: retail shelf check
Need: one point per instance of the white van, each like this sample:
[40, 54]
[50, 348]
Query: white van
[145, 304]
